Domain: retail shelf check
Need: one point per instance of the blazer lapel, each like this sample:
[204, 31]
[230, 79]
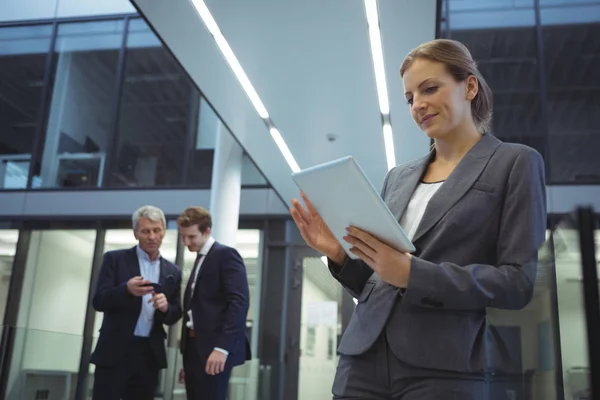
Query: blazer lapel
[410, 179]
[206, 261]
[134, 262]
[162, 271]
[188, 288]
[186, 294]
[458, 183]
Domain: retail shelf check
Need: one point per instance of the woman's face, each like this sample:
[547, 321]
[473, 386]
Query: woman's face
[439, 105]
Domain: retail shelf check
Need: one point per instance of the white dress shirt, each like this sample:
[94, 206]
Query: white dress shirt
[149, 270]
[203, 252]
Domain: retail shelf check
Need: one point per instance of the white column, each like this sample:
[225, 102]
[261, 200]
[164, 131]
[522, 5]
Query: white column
[226, 187]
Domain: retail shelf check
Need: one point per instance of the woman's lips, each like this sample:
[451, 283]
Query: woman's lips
[426, 120]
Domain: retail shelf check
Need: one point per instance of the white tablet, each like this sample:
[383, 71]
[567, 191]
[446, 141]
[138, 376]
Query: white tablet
[343, 196]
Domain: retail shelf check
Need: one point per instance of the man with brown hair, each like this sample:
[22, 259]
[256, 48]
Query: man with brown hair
[215, 307]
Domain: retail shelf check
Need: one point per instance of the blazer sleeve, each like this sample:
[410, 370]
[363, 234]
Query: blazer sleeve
[237, 294]
[353, 274]
[508, 285]
[174, 312]
[109, 295]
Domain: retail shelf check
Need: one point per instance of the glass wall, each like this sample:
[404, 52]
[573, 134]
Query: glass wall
[101, 104]
[8, 247]
[53, 307]
[576, 356]
[571, 51]
[85, 64]
[320, 327]
[52, 312]
[24, 51]
[542, 60]
[158, 113]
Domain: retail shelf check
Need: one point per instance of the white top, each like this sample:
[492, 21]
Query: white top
[416, 207]
[149, 270]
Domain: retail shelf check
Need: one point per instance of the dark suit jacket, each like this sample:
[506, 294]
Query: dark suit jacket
[219, 306]
[476, 248]
[121, 309]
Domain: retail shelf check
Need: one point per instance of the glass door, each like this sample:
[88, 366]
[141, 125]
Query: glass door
[320, 326]
[8, 248]
[576, 243]
[52, 311]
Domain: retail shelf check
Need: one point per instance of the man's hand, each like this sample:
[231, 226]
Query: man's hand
[136, 286]
[160, 302]
[216, 363]
[181, 376]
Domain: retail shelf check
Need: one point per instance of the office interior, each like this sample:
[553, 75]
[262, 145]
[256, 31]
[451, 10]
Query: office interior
[108, 106]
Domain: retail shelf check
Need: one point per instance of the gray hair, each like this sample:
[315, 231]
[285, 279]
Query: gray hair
[151, 213]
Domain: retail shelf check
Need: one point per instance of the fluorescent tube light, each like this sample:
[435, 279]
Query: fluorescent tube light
[207, 17]
[230, 57]
[388, 140]
[242, 78]
[379, 67]
[377, 54]
[287, 154]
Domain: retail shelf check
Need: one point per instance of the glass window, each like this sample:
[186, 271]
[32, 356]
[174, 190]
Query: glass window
[202, 153]
[23, 53]
[80, 116]
[572, 67]
[158, 114]
[250, 173]
[52, 311]
[502, 39]
[8, 247]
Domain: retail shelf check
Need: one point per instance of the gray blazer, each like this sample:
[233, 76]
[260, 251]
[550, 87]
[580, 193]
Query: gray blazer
[476, 247]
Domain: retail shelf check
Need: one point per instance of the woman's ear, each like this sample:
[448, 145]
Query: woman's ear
[472, 87]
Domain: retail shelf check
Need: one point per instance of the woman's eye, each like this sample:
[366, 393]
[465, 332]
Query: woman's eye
[431, 89]
[409, 101]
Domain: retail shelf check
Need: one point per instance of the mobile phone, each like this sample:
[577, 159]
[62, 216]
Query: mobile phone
[157, 286]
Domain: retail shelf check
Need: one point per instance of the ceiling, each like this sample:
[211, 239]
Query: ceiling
[310, 63]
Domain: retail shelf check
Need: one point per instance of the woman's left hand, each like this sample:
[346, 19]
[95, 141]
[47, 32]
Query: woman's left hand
[390, 265]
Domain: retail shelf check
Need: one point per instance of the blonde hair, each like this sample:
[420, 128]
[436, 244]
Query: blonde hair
[460, 64]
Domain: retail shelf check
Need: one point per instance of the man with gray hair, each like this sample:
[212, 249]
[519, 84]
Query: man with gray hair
[138, 291]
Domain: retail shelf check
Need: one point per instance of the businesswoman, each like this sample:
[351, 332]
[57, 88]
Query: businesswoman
[475, 210]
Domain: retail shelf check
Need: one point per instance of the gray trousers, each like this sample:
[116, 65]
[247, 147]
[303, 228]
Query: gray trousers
[379, 375]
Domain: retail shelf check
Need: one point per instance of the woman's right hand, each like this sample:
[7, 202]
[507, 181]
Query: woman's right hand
[314, 231]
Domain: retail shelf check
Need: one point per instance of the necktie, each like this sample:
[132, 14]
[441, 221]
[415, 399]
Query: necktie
[193, 276]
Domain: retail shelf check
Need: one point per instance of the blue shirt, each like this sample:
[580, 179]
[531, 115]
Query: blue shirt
[149, 270]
